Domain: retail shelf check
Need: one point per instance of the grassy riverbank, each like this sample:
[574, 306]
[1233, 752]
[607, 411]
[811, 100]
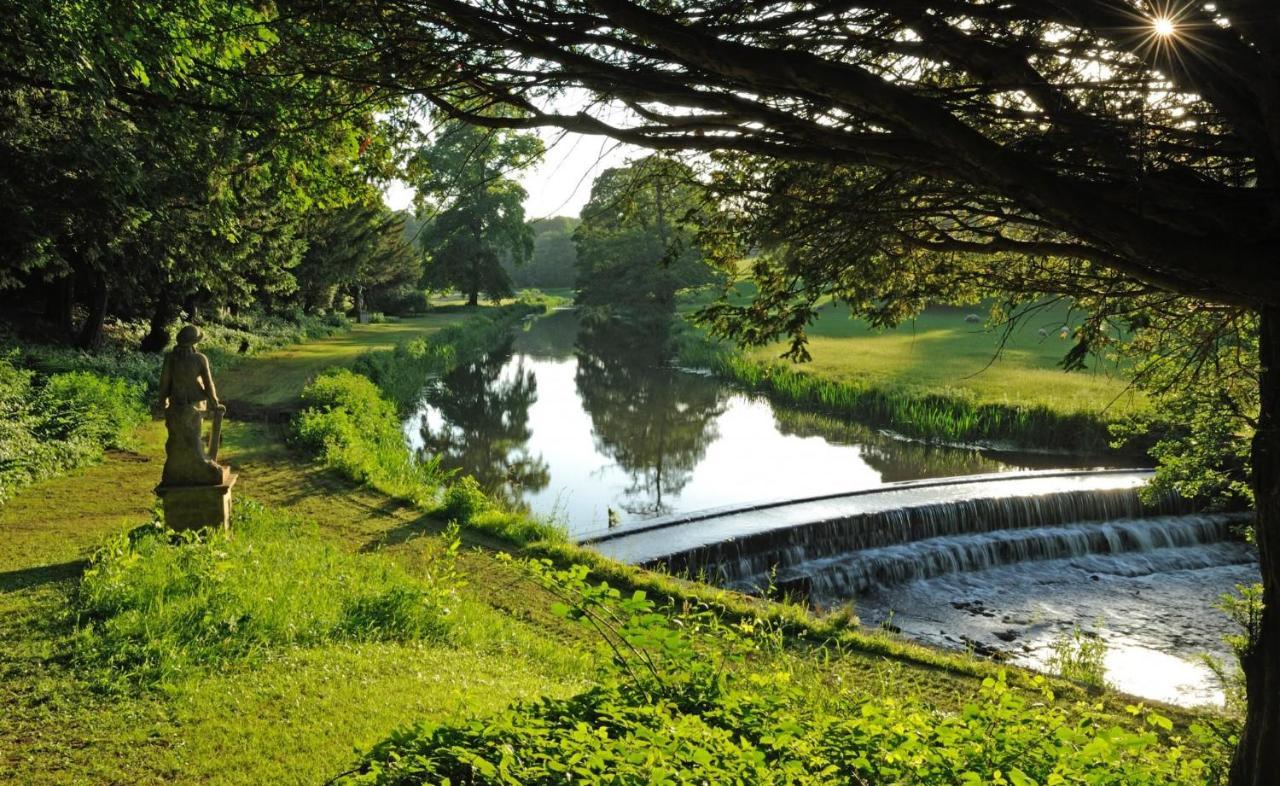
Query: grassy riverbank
[941, 377]
[300, 712]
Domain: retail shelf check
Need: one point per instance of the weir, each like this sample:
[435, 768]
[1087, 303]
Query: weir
[846, 543]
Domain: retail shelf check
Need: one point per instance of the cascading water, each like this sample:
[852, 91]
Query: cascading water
[1002, 566]
[1165, 543]
[750, 556]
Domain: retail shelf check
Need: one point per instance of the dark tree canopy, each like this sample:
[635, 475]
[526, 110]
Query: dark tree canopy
[554, 256]
[1056, 127]
[637, 244]
[154, 156]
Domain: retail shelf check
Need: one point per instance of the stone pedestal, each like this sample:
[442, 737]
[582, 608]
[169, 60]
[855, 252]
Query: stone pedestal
[194, 507]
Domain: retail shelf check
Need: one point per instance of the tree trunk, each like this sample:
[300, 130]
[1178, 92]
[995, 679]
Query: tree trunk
[192, 307]
[473, 297]
[362, 316]
[1257, 759]
[91, 331]
[60, 305]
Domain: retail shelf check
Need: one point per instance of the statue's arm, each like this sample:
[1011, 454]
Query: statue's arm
[206, 376]
[166, 383]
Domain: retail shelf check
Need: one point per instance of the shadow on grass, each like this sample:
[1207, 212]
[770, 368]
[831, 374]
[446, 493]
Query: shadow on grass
[426, 524]
[14, 580]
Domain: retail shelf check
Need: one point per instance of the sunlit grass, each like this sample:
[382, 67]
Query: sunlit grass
[941, 352]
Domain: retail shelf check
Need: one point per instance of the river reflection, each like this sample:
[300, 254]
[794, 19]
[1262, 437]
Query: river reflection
[653, 420]
[595, 424]
[479, 424]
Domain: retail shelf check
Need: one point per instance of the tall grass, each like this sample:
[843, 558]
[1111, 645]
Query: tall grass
[352, 427]
[934, 417]
[154, 606]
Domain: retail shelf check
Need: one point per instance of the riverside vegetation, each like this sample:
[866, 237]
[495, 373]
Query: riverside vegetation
[690, 683]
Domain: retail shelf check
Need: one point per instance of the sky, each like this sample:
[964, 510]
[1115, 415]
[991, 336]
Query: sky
[560, 184]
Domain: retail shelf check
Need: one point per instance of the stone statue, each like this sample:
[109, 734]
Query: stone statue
[196, 489]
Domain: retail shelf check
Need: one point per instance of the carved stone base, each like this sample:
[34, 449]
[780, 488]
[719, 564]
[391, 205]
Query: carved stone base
[194, 507]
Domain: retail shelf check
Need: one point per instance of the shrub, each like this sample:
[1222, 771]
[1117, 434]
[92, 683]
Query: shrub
[351, 427]
[1080, 657]
[465, 499]
[153, 605]
[82, 406]
[59, 425]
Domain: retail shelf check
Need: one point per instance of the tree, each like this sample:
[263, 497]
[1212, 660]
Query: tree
[1122, 150]
[154, 156]
[636, 243]
[554, 256]
[478, 209]
[355, 248]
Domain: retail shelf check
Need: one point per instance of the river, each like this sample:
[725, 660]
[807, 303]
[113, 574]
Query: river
[596, 427]
[580, 425]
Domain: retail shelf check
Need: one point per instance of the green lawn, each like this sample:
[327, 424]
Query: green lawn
[301, 715]
[276, 378]
[940, 351]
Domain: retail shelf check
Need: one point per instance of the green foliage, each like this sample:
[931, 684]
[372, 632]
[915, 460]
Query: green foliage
[154, 153]
[62, 422]
[154, 605]
[552, 265]
[637, 245]
[351, 427]
[1079, 657]
[686, 708]
[465, 499]
[1245, 608]
[360, 250]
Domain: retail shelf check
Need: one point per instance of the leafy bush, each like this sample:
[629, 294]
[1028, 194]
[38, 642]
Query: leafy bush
[153, 605]
[465, 499]
[351, 427]
[683, 710]
[64, 423]
[82, 406]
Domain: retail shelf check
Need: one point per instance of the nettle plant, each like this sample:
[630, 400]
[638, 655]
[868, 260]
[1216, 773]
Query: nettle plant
[690, 698]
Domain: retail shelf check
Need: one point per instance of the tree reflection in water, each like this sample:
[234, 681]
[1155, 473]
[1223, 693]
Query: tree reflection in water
[653, 420]
[484, 429]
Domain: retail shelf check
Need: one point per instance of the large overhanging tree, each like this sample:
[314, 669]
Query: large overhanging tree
[1130, 147]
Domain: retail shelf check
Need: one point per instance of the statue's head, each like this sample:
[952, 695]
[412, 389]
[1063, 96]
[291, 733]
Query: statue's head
[189, 336]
